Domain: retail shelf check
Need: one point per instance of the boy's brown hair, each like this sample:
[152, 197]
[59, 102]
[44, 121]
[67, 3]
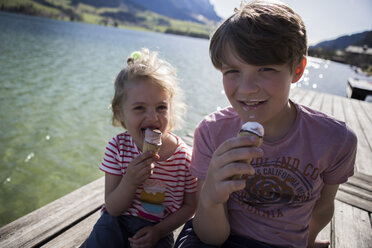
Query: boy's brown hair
[261, 33]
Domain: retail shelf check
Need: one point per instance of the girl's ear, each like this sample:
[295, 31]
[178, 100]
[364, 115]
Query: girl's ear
[300, 68]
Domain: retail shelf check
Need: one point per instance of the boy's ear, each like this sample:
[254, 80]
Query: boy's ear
[300, 68]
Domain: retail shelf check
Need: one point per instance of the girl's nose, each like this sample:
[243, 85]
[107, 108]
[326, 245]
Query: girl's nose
[152, 115]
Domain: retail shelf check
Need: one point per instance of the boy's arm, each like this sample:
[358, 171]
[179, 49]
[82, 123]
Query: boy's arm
[219, 231]
[322, 212]
[213, 193]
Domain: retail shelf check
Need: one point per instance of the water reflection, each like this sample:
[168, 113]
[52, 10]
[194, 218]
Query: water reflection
[326, 76]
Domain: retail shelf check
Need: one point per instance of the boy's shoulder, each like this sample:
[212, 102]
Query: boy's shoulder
[221, 115]
[221, 124]
[322, 124]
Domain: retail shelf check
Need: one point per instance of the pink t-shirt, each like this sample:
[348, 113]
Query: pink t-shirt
[163, 192]
[277, 203]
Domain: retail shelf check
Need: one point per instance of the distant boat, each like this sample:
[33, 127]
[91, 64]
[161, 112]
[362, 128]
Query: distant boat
[359, 88]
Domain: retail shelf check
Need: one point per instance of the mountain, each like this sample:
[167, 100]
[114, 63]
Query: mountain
[196, 18]
[188, 10]
[201, 11]
[359, 39]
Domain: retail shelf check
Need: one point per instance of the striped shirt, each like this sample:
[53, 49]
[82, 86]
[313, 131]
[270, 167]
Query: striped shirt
[163, 192]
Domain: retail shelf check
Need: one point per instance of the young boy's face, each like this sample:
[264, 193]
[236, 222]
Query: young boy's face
[146, 106]
[258, 93]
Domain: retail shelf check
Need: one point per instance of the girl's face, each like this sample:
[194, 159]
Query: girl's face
[259, 93]
[146, 106]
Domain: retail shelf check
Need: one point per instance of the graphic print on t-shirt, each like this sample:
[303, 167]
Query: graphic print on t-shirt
[153, 195]
[276, 183]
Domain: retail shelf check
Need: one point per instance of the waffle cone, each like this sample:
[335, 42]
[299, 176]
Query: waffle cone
[150, 147]
[258, 144]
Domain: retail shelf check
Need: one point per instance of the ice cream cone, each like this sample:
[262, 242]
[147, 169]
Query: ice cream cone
[150, 147]
[152, 141]
[251, 128]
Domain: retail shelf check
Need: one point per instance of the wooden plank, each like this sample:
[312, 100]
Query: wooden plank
[75, 236]
[355, 197]
[357, 192]
[361, 180]
[338, 111]
[364, 158]
[326, 233]
[327, 106]
[297, 95]
[364, 121]
[367, 107]
[308, 97]
[43, 224]
[352, 227]
[317, 102]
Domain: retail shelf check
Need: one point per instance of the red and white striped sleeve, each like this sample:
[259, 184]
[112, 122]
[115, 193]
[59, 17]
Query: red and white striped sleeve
[111, 160]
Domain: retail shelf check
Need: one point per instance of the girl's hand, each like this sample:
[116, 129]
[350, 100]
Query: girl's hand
[140, 168]
[225, 163]
[146, 237]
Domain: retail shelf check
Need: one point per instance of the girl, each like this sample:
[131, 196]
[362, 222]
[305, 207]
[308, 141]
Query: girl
[146, 196]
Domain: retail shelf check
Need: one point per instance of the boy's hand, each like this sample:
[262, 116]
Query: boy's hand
[320, 244]
[140, 168]
[146, 237]
[225, 163]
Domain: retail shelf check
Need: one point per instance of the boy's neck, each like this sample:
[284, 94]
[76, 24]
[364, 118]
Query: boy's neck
[280, 126]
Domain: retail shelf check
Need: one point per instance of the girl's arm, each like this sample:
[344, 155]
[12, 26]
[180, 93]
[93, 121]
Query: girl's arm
[179, 217]
[120, 190]
[322, 212]
[150, 235]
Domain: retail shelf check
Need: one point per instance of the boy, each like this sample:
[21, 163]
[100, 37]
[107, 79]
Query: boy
[287, 195]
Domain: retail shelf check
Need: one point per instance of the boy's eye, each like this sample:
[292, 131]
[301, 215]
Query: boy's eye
[264, 69]
[230, 72]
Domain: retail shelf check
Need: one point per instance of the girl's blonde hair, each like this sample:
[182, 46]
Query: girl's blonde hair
[146, 66]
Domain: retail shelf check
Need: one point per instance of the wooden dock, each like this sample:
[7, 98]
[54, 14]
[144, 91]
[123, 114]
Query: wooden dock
[67, 222]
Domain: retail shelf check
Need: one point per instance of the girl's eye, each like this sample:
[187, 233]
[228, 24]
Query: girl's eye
[230, 72]
[139, 108]
[163, 107]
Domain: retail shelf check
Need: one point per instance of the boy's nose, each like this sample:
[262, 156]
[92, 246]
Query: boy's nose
[248, 84]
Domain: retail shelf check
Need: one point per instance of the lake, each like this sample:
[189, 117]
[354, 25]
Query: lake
[56, 85]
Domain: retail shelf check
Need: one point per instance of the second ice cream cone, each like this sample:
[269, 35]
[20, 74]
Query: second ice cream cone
[251, 128]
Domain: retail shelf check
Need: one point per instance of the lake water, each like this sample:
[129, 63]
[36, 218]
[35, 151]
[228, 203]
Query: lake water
[56, 84]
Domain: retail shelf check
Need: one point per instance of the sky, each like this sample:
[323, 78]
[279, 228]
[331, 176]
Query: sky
[324, 19]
